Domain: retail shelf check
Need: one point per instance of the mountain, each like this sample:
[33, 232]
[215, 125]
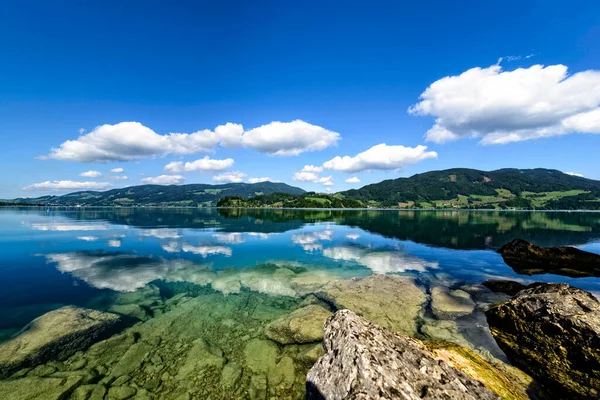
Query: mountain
[158, 195]
[470, 188]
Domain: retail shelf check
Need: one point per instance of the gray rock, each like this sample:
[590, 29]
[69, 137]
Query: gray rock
[303, 325]
[56, 335]
[391, 301]
[552, 332]
[365, 361]
[450, 304]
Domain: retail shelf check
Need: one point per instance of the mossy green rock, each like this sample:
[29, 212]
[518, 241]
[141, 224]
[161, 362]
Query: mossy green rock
[56, 335]
[552, 332]
[374, 297]
[450, 304]
[304, 325]
[35, 388]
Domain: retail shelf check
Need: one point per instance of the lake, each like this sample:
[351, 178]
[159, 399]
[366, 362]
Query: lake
[204, 283]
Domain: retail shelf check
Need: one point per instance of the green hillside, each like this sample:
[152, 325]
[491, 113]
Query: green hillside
[194, 195]
[468, 188]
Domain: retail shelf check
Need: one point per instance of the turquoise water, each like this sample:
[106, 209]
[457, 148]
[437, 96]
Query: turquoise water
[244, 268]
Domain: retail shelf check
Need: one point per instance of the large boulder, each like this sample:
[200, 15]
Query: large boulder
[304, 325]
[392, 301]
[527, 258]
[56, 335]
[552, 332]
[365, 361]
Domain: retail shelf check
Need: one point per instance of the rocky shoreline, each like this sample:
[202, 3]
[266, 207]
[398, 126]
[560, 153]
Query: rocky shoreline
[198, 343]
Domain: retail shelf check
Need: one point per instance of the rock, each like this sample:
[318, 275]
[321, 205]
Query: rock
[35, 388]
[132, 359]
[506, 381]
[303, 325]
[258, 387]
[527, 258]
[89, 392]
[130, 310]
[200, 356]
[310, 355]
[284, 374]
[231, 375]
[503, 286]
[552, 332]
[391, 301]
[56, 335]
[365, 361]
[261, 356]
[121, 392]
[450, 304]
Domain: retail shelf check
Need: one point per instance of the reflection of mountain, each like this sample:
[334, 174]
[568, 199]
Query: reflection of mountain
[125, 272]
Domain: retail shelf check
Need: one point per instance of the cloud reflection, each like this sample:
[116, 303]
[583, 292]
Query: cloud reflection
[310, 240]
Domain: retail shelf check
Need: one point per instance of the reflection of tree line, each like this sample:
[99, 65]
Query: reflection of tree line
[453, 229]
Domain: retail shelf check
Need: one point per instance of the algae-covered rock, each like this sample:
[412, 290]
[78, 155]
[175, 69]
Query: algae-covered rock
[527, 258]
[365, 361]
[552, 332]
[391, 301]
[504, 286]
[56, 335]
[450, 304]
[121, 392]
[261, 356]
[506, 381]
[35, 388]
[304, 325]
[231, 375]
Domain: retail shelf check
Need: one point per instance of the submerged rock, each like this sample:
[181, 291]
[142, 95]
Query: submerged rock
[527, 258]
[38, 388]
[450, 304]
[552, 332]
[304, 325]
[56, 335]
[504, 286]
[391, 301]
[365, 361]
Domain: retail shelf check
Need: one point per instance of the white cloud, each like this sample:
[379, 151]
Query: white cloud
[117, 170]
[205, 164]
[231, 177]
[381, 157]
[354, 179]
[127, 141]
[88, 238]
[118, 177]
[67, 227]
[114, 243]
[161, 233]
[230, 238]
[263, 179]
[310, 240]
[90, 174]
[574, 174]
[289, 138]
[164, 180]
[511, 106]
[353, 236]
[310, 173]
[68, 185]
[205, 251]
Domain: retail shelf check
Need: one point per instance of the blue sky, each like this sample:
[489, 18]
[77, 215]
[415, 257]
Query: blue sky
[318, 80]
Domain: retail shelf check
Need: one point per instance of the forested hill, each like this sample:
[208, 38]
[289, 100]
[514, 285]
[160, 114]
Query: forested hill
[470, 188]
[157, 195]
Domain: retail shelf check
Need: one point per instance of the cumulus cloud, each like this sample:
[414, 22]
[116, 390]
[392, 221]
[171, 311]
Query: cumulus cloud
[381, 157]
[161, 233]
[263, 179]
[354, 179]
[574, 174]
[164, 180]
[230, 177]
[117, 170]
[90, 174]
[310, 173]
[68, 185]
[310, 240]
[127, 141]
[205, 164]
[118, 177]
[511, 106]
[230, 238]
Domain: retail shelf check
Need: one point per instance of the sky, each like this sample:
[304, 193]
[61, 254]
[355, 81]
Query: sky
[324, 95]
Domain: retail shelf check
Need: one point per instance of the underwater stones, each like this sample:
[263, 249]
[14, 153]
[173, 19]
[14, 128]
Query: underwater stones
[130, 310]
[506, 381]
[132, 359]
[365, 361]
[443, 330]
[391, 301]
[552, 332]
[231, 375]
[260, 355]
[450, 304]
[34, 388]
[258, 387]
[56, 335]
[310, 354]
[200, 356]
[89, 392]
[303, 325]
[148, 296]
[504, 286]
[527, 258]
[121, 392]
